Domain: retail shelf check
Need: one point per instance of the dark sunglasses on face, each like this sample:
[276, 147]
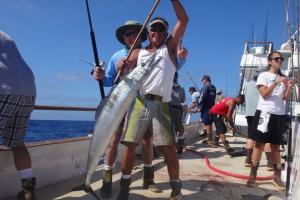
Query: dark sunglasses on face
[128, 34]
[277, 59]
[157, 29]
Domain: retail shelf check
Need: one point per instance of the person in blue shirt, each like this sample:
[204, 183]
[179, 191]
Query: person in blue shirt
[126, 35]
[206, 102]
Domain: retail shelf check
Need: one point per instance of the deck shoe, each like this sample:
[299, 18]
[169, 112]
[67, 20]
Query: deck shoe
[253, 174]
[203, 133]
[148, 181]
[180, 145]
[176, 190]
[215, 143]
[209, 138]
[106, 189]
[248, 159]
[227, 147]
[277, 182]
[124, 191]
[269, 161]
[28, 189]
[178, 197]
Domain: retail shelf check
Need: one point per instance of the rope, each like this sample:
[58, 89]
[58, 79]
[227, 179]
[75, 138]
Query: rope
[226, 173]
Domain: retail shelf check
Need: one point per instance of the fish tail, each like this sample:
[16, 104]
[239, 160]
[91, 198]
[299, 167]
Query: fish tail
[86, 189]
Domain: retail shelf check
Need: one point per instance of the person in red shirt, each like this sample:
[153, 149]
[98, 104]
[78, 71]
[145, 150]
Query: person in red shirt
[224, 110]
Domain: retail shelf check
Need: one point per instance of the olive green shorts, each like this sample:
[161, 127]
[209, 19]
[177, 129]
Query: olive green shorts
[148, 118]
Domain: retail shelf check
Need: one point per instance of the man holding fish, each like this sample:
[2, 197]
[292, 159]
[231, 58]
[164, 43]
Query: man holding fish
[126, 35]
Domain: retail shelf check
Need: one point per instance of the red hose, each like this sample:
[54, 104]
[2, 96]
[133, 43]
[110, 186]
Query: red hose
[259, 178]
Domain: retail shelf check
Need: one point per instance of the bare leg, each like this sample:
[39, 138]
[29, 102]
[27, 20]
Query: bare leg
[21, 157]
[172, 161]
[275, 152]
[147, 150]
[268, 153]
[258, 149]
[223, 137]
[128, 158]
[249, 149]
[250, 144]
[112, 150]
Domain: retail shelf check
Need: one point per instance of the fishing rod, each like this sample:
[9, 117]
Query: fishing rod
[96, 57]
[190, 77]
[138, 36]
[84, 61]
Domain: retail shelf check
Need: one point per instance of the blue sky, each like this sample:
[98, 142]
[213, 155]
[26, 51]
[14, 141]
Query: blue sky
[52, 34]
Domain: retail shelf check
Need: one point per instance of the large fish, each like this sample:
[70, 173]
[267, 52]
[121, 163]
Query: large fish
[112, 112]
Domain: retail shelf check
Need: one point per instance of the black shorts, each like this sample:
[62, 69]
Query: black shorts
[249, 123]
[219, 124]
[276, 127]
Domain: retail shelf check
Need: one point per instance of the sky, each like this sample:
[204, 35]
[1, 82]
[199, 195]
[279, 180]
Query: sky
[52, 35]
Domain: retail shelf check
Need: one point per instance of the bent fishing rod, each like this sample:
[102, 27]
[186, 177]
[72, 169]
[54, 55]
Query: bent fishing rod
[180, 46]
[137, 37]
[94, 45]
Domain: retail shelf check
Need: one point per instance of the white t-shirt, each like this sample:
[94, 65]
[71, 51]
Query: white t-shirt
[195, 97]
[274, 103]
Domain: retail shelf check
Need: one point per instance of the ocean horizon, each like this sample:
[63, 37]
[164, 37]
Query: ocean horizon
[42, 130]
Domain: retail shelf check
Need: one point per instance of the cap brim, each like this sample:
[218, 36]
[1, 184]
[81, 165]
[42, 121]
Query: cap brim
[159, 21]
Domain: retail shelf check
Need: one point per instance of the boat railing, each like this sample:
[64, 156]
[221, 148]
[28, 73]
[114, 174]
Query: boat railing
[65, 140]
[64, 108]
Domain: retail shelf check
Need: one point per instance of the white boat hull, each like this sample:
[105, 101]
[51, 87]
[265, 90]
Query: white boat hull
[52, 162]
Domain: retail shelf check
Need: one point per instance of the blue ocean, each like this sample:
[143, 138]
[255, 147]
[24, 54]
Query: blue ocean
[41, 130]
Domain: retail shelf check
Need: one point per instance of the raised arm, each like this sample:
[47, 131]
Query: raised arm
[179, 28]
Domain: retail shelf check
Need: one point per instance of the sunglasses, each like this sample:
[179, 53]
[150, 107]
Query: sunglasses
[128, 34]
[277, 59]
[157, 29]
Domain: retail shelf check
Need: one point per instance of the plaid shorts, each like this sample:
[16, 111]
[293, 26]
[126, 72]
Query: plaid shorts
[149, 118]
[15, 112]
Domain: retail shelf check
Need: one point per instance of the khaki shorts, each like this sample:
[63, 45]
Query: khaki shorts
[147, 118]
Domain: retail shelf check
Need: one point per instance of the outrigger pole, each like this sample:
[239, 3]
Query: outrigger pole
[138, 36]
[289, 157]
[96, 57]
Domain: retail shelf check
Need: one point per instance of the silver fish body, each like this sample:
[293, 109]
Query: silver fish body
[112, 111]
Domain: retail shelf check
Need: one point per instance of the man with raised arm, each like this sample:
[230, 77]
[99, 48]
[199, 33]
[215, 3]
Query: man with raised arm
[150, 115]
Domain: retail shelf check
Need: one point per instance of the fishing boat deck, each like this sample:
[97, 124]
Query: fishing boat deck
[198, 181]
